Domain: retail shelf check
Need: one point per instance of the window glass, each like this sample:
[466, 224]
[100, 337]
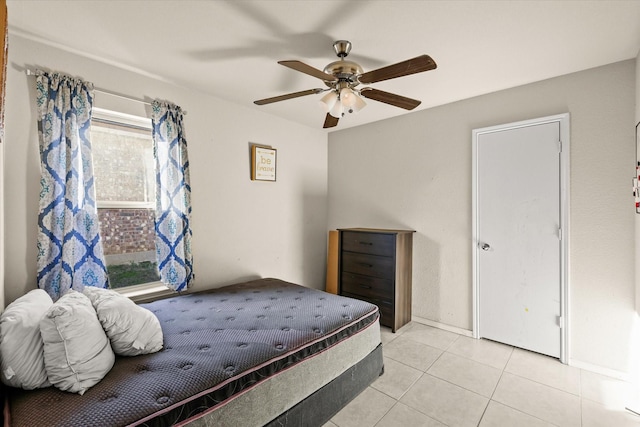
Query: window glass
[123, 164]
[125, 170]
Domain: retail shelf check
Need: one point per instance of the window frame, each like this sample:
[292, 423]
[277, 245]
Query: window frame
[142, 291]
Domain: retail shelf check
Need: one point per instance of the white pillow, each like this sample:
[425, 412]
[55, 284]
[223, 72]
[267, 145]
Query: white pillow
[20, 341]
[77, 354]
[132, 329]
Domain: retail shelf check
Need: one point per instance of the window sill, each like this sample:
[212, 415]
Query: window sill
[145, 292]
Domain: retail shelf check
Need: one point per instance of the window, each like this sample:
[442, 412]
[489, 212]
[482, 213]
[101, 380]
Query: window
[124, 172]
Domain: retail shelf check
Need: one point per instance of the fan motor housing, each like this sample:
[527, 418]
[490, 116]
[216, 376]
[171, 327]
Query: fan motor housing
[344, 70]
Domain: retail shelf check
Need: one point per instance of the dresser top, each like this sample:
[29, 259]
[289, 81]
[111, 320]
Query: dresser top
[377, 230]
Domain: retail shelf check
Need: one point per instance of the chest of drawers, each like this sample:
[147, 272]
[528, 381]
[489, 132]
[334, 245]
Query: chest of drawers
[375, 265]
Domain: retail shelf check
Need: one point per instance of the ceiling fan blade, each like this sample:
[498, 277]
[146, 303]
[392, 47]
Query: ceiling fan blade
[390, 98]
[287, 96]
[308, 69]
[330, 121]
[404, 68]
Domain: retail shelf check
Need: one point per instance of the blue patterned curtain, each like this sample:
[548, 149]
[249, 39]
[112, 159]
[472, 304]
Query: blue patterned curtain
[69, 247]
[173, 197]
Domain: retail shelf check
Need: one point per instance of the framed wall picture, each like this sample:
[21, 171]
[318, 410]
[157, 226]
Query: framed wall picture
[263, 163]
[636, 179]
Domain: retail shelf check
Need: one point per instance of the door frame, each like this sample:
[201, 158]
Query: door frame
[564, 122]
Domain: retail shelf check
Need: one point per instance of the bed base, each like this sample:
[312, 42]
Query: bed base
[324, 403]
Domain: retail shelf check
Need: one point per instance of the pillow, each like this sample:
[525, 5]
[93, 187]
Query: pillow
[77, 354]
[20, 341]
[132, 329]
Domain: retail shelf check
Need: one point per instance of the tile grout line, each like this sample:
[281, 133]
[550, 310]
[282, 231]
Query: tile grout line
[392, 406]
[413, 367]
[545, 385]
[579, 395]
[477, 361]
[489, 399]
[502, 370]
[581, 399]
[447, 381]
[405, 392]
[510, 407]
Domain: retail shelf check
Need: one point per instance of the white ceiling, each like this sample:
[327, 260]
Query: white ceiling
[230, 49]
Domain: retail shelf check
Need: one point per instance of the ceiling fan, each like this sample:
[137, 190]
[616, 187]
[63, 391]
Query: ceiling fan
[343, 76]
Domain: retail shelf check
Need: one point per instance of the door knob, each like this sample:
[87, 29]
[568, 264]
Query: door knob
[485, 247]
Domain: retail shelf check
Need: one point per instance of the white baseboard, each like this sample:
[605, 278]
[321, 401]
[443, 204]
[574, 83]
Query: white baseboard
[620, 375]
[635, 410]
[613, 373]
[443, 326]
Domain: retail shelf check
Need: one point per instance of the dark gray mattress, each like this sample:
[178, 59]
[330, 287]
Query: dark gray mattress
[217, 344]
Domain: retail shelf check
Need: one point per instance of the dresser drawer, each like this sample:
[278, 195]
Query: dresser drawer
[368, 243]
[367, 286]
[384, 306]
[368, 265]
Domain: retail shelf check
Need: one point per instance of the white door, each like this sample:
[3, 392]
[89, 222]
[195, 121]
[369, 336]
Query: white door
[518, 236]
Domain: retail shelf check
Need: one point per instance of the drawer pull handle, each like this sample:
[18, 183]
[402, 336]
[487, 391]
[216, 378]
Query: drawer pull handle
[366, 243]
[365, 264]
[365, 286]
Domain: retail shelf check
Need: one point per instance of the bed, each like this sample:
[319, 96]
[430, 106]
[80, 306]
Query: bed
[264, 352]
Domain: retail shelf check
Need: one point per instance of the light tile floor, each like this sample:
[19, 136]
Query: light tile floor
[439, 378]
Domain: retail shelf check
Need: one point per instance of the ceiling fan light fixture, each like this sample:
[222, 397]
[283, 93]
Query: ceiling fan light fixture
[328, 101]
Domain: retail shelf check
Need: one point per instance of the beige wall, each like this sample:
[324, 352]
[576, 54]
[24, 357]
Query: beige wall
[414, 171]
[241, 229]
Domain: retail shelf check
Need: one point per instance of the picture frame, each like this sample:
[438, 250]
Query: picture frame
[636, 179]
[263, 163]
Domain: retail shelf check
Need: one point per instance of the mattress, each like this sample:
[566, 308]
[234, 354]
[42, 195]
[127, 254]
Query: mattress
[218, 345]
[279, 393]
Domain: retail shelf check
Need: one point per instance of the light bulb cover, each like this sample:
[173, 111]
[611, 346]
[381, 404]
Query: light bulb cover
[358, 104]
[347, 97]
[337, 110]
[328, 101]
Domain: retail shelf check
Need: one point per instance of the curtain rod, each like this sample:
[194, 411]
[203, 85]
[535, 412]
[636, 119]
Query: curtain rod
[108, 92]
